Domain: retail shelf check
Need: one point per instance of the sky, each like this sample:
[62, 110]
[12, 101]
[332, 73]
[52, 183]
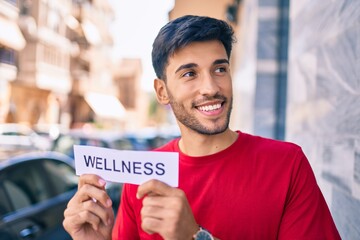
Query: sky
[136, 25]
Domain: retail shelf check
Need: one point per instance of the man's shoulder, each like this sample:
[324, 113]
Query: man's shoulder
[268, 144]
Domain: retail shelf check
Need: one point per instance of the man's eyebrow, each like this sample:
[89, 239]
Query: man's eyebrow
[192, 65]
[221, 61]
[184, 66]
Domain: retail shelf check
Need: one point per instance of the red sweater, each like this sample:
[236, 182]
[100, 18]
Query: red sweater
[255, 189]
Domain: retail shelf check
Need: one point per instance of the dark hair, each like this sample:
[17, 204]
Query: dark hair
[184, 30]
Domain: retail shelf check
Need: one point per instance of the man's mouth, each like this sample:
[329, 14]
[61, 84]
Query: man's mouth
[209, 108]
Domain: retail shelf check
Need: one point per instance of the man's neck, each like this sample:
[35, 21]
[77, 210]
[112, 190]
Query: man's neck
[196, 144]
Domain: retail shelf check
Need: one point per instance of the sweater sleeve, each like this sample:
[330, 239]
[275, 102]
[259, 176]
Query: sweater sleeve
[125, 226]
[306, 214]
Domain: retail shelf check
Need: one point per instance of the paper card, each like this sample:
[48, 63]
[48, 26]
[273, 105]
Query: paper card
[124, 166]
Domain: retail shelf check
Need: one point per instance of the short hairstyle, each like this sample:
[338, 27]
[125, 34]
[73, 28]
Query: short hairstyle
[184, 30]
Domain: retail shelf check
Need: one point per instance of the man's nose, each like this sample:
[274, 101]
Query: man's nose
[208, 85]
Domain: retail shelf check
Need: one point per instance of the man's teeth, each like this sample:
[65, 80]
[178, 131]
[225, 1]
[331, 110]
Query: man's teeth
[210, 107]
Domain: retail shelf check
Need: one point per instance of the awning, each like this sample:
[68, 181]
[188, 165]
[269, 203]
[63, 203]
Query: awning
[11, 35]
[106, 106]
[91, 32]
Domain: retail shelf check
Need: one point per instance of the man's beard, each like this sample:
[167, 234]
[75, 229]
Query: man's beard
[191, 122]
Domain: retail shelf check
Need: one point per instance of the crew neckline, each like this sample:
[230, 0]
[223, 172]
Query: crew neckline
[184, 158]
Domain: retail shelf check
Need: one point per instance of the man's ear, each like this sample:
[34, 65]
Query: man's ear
[161, 92]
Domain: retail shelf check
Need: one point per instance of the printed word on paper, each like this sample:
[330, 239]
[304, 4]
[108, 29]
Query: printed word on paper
[125, 166]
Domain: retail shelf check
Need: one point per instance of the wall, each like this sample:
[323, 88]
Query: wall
[323, 107]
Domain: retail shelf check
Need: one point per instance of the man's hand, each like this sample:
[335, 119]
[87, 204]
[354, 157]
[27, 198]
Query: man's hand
[166, 211]
[89, 214]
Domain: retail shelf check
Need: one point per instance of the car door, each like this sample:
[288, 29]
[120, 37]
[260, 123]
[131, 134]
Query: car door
[37, 193]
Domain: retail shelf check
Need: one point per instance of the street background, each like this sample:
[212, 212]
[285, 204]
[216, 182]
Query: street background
[85, 65]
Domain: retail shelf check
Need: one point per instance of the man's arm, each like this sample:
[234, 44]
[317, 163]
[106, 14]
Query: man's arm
[306, 214]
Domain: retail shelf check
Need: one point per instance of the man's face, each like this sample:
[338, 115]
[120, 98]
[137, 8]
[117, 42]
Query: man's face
[199, 87]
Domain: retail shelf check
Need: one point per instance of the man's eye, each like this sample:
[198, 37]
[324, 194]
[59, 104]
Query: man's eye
[220, 69]
[189, 74]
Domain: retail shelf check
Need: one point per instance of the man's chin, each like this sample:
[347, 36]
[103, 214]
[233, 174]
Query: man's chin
[211, 132]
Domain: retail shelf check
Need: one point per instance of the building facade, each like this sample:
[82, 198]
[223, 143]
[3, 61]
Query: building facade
[56, 65]
[43, 78]
[91, 66]
[12, 42]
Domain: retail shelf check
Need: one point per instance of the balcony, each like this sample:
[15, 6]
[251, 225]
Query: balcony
[13, 37]
[9, 9]
[7, 56]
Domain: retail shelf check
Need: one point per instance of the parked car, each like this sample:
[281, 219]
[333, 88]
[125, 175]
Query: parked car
[34, 191]
[107, 139]
[49, 131]
[17, 138]
[150, 138]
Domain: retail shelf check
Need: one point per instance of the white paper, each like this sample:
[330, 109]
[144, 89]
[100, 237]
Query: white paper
[135, 167]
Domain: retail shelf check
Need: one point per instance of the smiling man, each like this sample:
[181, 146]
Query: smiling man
[232, 185]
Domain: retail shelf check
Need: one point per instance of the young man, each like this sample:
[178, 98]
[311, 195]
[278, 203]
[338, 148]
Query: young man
[231, 185]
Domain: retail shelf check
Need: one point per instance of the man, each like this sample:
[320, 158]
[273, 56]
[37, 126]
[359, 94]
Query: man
[231, 185]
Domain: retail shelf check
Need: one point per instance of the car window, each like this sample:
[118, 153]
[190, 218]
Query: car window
[5, 206]
[17, 195]
[61, 175]
[25, 185]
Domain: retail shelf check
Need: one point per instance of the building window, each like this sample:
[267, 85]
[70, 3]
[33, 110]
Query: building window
[25, 7]
[53, 20]
[7, 56]
[53, 56]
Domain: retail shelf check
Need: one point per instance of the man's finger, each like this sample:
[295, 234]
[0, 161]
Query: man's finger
[97, 195]
[151, 225]
[155, 187]
[91, 179]
[88, 212]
